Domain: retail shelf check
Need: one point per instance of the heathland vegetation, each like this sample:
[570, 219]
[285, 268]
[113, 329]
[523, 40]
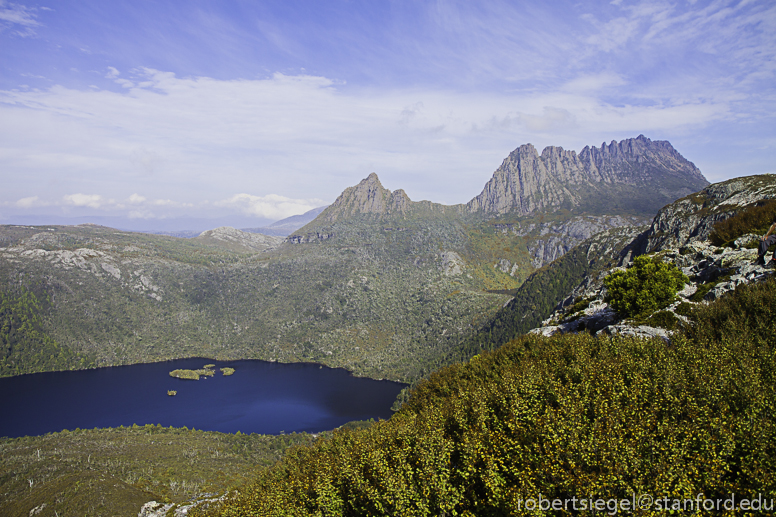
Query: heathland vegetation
[564, 416]
[97, 472]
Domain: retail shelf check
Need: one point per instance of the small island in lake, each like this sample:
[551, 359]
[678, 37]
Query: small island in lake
[206, 371]
[193, 374]
[172, 393]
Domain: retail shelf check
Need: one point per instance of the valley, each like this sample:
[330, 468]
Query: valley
[381, 285]
[443, 298]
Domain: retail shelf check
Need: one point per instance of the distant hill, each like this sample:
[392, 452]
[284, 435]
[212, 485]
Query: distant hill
[288, 225]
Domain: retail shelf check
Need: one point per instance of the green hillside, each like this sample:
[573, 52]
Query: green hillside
[561, 417]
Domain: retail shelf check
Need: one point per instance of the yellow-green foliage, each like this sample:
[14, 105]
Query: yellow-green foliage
[24, 346]
[649, 285]
[185, 374]
[753, 219]
[561, 417]
[227, 371]
[107, 472]
[193, 374]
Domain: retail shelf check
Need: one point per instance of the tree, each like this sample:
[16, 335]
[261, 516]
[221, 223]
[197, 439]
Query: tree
[647, 286]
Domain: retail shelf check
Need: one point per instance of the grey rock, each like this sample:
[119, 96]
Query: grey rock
[745, 240]
[641, 331]
[635, 171]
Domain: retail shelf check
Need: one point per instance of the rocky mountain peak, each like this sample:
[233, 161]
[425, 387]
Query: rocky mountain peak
[369, 197]
[635, 175]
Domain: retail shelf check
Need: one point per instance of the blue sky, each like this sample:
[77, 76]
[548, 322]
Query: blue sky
[147, 110]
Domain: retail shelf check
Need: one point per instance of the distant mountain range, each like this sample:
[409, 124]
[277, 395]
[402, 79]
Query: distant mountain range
[376, 283]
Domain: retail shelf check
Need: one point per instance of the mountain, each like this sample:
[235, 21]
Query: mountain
[636, 176]
[288, 225]
[377, 283]
[680, 230]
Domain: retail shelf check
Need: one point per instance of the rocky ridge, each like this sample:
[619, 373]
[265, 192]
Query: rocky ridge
[527, 182]
[679, 235]
[239, 240]
[691, 218]
[713, 271]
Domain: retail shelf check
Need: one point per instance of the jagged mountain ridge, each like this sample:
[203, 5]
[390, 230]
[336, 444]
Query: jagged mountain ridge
[369, 198]
[527, 182]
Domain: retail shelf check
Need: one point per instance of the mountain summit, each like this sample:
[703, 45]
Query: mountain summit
[369, 197]
[635, 175]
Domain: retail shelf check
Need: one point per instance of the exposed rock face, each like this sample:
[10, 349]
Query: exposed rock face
[719, 270]
[692, 218]
[239, 240]
[553, 240]
[369, 197]
[635, 175]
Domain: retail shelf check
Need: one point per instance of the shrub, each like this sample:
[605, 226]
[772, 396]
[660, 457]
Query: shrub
[649, 285]
[752, 219]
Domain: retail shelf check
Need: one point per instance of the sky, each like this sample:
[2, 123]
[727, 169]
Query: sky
[252, 111]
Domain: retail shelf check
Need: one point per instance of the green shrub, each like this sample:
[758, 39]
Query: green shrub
[753, 219]
[649, 285]
[663, 319]
[684, 309]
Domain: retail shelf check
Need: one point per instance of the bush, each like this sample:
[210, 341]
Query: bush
[753, 219]
[649, 285]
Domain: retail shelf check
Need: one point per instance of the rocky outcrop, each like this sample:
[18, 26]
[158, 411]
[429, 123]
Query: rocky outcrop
[155, 509]
[238, 240]
[692, 218]
[712, 271]
[635, 175]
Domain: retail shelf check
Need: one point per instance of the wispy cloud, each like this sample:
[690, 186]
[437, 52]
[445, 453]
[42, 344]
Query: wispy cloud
[19, 17]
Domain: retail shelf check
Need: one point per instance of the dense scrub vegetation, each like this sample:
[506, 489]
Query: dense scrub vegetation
[564, 416]
[755, 218]
[24, 346]
[101, 472]
[374, 300]
[649, 285]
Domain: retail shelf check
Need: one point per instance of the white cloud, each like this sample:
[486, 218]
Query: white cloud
[87, 200]
[30, 202]
[136, 199]
[271, 206]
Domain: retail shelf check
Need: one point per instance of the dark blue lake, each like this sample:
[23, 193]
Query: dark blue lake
[260, 397]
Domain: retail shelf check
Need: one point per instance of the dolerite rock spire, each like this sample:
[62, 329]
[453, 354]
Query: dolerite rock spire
[369, 197]
[635, 175]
